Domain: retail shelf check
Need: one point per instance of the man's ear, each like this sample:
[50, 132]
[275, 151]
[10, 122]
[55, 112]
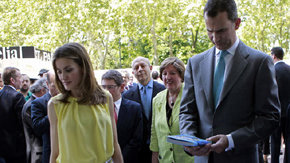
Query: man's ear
[237, 23]
[12, 81]
[122, 87]
[42, 90]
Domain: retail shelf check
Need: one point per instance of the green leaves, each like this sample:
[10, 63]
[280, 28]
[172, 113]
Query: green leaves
[115, 31]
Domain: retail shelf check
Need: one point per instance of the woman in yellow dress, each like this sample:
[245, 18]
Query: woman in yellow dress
[81, 117]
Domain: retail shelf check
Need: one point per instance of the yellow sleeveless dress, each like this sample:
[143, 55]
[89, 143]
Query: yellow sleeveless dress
[85, 133]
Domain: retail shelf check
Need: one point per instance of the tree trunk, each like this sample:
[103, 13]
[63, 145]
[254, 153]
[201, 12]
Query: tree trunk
[103, 57]
[170, 45]
[263, 40]
[120, 53]
[154, 40]
[194, 39]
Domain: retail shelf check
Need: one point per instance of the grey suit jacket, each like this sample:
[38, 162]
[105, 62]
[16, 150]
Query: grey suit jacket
[248, 107]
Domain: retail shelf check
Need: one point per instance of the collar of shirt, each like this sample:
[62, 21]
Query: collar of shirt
[228, 57]
[11, 87]
[118, 105]
[278, 62]
[149, 85]
[231, 50]
[34, 96]
[49, 93]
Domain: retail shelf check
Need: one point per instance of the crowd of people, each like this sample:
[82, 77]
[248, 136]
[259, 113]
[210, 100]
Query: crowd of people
[234, 96]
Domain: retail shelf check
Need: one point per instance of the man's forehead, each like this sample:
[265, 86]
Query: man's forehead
[18, 73]
[24, 77]
[108, 81]
[140, 62]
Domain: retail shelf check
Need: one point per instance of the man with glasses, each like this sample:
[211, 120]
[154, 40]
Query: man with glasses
[126, 76]
[128, 117]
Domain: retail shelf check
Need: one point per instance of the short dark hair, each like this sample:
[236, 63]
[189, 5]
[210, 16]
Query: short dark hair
[113, 75]
[9, 72]
[155, 75]
[278, 52]
[213, 7]
[25, 75]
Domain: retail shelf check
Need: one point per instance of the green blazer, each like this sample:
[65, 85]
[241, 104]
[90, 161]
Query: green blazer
[160, 130]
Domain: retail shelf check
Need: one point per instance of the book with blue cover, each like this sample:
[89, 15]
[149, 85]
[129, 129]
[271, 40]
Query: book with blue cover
[186, 140]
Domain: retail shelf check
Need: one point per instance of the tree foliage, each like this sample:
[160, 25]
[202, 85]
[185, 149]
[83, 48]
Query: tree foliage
[115, 31]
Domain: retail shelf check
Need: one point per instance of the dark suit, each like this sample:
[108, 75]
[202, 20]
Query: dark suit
[134, 95]
[33, 142]
[41, 123]
[130, 130]
[248, 107]
[12, 140]
[132, 85]
[287, 138]
[283, 80]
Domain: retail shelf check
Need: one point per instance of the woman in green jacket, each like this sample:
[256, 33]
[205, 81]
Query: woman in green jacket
[165, 114]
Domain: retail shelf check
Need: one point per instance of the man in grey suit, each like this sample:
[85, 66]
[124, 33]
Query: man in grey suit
[230, 95]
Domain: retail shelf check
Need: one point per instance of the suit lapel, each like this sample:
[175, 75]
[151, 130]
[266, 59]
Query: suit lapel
[154, 91]
[238, 65]
[122, 114]
[137, 98]
[206, 67]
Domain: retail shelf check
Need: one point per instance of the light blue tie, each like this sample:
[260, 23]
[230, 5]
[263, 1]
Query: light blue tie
[145, 102]
[219, 77]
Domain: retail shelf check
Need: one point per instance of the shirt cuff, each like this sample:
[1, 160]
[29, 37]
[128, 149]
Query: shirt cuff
[231, 143]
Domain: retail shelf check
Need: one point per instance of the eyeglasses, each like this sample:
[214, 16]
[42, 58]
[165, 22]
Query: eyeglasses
[109, 86]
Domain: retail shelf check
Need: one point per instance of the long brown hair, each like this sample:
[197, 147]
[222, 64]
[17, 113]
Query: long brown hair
[90, 90]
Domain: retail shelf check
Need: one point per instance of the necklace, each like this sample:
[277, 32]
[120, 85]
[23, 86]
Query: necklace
[171, 103]
[172, 100]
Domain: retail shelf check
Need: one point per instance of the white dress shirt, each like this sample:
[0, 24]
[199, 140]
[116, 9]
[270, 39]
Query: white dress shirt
[117, 106]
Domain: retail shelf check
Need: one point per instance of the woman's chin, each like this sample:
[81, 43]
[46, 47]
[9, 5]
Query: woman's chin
[67, 88]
